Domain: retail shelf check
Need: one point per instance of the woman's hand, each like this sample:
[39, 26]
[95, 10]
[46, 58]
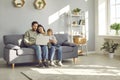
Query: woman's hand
[42, 31]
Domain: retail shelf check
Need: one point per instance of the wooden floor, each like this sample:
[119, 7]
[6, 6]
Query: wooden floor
[7, 73]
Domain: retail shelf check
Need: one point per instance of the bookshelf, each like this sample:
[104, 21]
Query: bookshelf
[77, 25]
[77, 30]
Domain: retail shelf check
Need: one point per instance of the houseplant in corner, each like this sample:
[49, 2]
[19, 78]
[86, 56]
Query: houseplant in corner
[109, 47]
[116, 27]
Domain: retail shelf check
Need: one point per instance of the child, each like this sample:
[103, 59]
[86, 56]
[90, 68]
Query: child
[53, 47]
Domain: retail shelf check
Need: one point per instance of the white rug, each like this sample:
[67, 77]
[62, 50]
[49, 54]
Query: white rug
[77, 72]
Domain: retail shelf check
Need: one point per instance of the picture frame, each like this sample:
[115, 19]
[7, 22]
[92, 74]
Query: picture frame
[39, 4]
[18, 3]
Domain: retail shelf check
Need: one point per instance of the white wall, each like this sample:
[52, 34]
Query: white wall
[17, 20]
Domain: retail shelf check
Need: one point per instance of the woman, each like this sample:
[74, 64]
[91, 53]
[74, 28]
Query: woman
[44, 48]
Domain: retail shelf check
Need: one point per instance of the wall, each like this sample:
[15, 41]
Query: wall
[91, 25]
[17, 20]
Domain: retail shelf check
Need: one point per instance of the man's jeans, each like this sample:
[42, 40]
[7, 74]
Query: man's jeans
[52, 52]
[41, 51]
[37, 50]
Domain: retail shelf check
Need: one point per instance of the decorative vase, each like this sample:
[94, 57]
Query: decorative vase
[76, 13]
[111, 55]
[117, 32]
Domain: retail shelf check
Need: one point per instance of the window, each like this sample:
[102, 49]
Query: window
[113, 14]
[114, 11]
[102, 17]
[108, 13]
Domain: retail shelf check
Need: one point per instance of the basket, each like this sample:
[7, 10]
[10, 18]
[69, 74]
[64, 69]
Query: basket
[79, 40]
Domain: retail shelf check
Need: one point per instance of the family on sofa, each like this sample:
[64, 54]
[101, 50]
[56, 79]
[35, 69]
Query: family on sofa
[22, 48]
[42, 50]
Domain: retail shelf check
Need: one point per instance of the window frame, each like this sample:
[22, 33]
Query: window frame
[116, 17]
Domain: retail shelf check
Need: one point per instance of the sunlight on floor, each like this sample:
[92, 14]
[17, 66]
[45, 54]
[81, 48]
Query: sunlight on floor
[81, 70]
[95, 66]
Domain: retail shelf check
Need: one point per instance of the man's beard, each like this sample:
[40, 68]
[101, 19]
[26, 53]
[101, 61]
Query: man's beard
[34, 29]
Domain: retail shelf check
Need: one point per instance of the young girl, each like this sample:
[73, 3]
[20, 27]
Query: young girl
[53, 47]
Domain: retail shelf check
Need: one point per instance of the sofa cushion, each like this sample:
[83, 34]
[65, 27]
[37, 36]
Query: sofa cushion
[67, 49]
[11, 46]
[13, 39]
[25, 51]
[61, 38]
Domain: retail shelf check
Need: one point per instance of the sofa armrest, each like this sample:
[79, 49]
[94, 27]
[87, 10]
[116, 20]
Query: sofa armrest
[69, 44]
[12, 46]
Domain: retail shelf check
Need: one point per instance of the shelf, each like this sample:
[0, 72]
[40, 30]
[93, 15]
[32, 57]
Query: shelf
[79, 35]
[75, 25]
[76, 15]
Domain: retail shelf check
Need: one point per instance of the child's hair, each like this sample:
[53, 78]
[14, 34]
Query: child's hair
[50, 30]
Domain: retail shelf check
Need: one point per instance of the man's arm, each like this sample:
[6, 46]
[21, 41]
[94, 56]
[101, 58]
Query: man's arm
[26, 38]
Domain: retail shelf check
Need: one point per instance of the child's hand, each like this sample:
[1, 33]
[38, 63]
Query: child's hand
[53, 41]
[50, 41]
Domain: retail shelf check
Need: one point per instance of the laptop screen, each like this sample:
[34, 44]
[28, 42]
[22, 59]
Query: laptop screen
[42, 39]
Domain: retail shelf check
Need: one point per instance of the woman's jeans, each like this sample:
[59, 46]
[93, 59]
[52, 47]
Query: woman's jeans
[52, 51]
[41, 51]
[44, 49]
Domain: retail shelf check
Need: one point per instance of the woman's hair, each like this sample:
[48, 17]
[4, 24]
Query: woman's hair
[50, 30]
[40, 26]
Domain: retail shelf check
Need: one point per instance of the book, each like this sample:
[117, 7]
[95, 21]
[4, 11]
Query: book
[79, 22]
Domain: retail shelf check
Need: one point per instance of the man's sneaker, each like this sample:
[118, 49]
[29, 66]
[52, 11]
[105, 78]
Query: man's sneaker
[46, 64]
[40, 65]
[52, 64]
[59, 63]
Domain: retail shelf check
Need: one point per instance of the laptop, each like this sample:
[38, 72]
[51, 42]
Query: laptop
[42, 39]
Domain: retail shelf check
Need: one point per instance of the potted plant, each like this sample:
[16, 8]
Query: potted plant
[109, 47]
[116, 27]
[76, 11]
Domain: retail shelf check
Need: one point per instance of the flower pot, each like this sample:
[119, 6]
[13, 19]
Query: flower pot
[111, 55]
[117, 32]
[76, 13]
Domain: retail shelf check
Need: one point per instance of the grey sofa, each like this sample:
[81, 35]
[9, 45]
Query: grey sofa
[16, 52]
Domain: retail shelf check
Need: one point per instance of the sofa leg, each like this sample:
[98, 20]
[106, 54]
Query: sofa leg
[74, 60]
[13, 65]
[7, 64]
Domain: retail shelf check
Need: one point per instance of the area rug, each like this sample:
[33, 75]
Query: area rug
[77, 72]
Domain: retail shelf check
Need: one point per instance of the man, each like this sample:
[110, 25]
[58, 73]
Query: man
[30, 40]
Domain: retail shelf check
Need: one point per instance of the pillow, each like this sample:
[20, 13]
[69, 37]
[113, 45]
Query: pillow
[16, 39]
[61, 38]
[11, 46]
[68, 44]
